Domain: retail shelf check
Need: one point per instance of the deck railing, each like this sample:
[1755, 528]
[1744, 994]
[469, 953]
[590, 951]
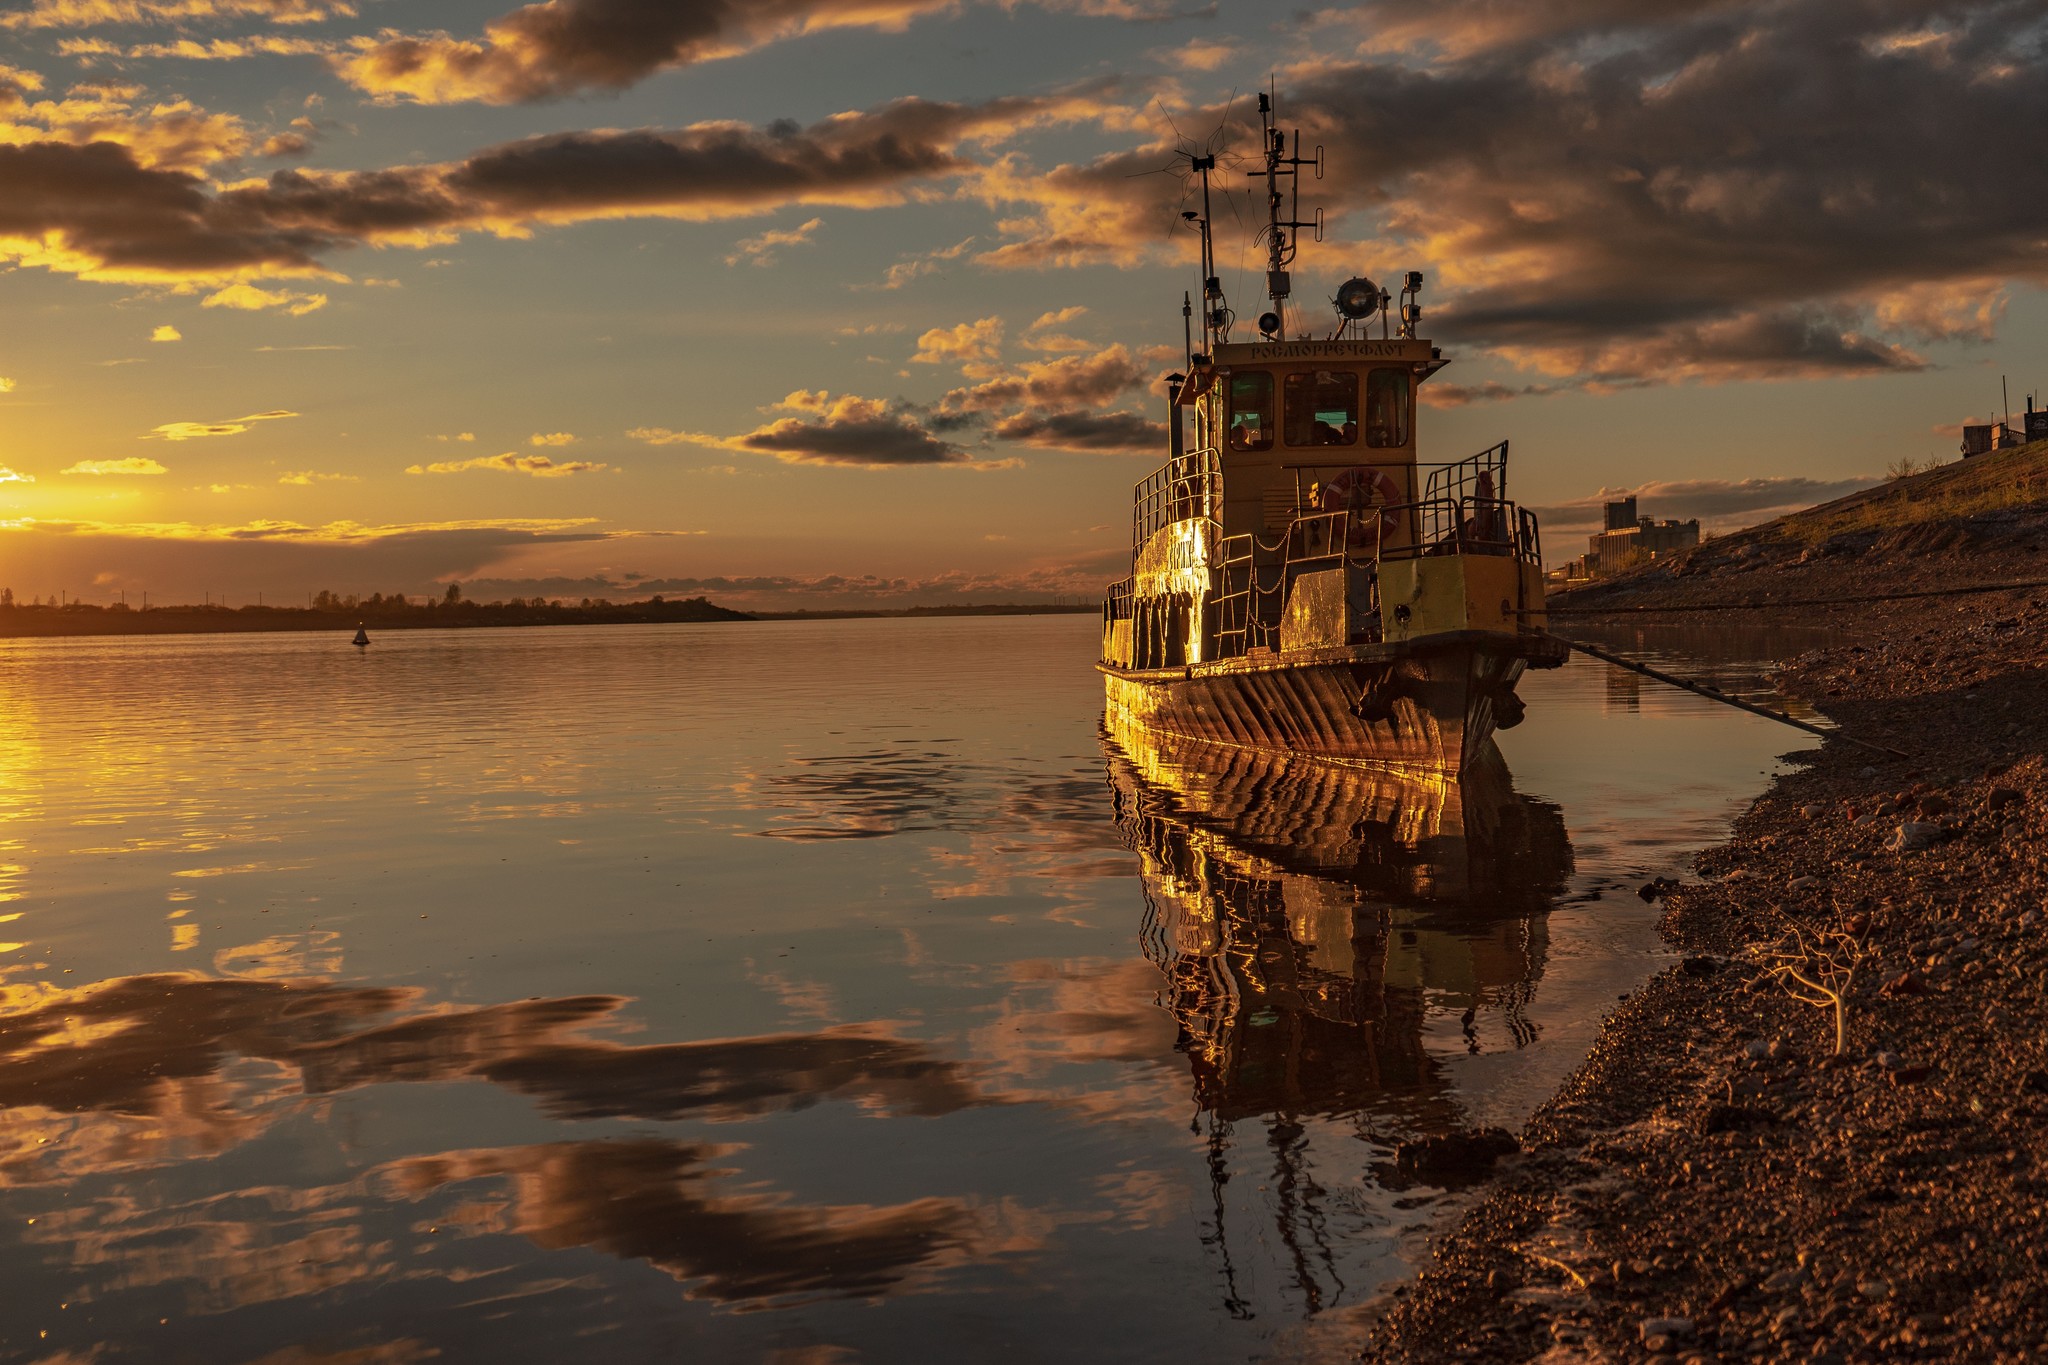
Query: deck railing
[1483, 476]
[1186, 487]
[1255, 574]
[1116, 603]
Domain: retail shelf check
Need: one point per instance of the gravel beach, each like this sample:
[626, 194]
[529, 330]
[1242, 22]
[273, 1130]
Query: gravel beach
[1716, 1182]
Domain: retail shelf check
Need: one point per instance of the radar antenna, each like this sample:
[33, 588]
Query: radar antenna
[1280, 245]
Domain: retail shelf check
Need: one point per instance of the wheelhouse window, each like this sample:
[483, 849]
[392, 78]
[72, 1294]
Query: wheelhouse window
[1322, 408]
[1387, 395]
[1251, 411]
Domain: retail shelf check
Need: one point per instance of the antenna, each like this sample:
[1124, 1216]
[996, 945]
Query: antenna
[1216, 314]
[1280, 247]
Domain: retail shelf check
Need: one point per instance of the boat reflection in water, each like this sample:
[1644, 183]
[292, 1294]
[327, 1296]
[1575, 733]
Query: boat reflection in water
[1308, 915]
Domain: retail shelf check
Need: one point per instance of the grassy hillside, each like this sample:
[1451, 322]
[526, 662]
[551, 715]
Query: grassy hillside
[1974, 521]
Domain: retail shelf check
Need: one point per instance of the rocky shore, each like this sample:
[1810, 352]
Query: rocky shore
[1716, 1183]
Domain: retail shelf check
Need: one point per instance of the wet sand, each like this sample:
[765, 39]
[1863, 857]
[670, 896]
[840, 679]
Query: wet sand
[1714, 1184]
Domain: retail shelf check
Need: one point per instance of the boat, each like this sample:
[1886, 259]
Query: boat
[362, 639]
[1300, 578]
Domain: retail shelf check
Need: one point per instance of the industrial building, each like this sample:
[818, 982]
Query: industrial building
[1628, 539]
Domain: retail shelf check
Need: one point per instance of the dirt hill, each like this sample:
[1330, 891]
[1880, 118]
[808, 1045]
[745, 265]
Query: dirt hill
[1976, 521]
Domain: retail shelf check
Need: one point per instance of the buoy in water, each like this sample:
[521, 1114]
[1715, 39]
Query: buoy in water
[362, 636]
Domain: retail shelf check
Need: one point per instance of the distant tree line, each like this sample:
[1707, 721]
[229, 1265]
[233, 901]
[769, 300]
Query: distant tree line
[330, 609]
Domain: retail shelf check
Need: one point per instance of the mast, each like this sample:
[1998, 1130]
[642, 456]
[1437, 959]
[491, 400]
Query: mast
[1280, 246]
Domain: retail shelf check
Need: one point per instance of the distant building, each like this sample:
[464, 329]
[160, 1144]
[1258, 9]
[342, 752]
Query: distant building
[1981, 438]
[1628, 539]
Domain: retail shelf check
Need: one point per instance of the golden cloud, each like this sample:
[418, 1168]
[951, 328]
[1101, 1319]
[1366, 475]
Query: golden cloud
[973, 346]
[14, 476]
[550, 438]
[306, 477]
[512, 462]
[248, 298]
[93, 13]
[168, 135]
[192, 431]
[763, 250]
[167, 333]
[133, 464]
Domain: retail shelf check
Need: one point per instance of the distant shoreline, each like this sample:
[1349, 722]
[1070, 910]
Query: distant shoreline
[35, 623]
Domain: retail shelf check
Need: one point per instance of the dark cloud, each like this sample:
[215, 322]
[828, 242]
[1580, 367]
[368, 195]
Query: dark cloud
[99, 210]
[563, 47]
[1092, 432]
[1609, 194]
[853, 431]
[1730, 190]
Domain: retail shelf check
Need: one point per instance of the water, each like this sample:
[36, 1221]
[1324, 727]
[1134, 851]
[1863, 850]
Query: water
[807, 992]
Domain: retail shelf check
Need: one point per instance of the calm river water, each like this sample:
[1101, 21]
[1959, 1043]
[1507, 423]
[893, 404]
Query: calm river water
[818, 992]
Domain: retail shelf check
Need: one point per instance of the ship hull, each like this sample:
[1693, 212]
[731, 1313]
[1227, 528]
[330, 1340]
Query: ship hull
[1431, 704]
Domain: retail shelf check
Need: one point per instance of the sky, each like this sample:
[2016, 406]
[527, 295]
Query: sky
[866, 302]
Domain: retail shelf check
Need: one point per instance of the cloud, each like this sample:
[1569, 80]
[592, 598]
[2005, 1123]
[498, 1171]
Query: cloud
[192, 431]
[14, 476]
[249, 298]
[512, 462]
[305, 477]
[162, 134]
[1718, 503]
[540, 438]
[92, 13]
[916, 267]
[133, 464]
[762, 250]
[167, 333]
[102, 211]
[973, 346]
[563, 47]
[848, 430]
[1638, 194]
[1068, 382]
[1123, 433]
[6, 385]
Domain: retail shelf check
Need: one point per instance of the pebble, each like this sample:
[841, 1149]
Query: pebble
[1874, 1290]
[1666, 1327]
[1813, 812]
[1756, 1049]
[1802, 883]
[1912, 836]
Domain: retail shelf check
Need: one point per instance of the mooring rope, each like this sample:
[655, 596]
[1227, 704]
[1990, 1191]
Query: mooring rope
[1712, 693]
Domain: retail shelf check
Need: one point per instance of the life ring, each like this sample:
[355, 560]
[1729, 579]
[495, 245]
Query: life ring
[1359, 488]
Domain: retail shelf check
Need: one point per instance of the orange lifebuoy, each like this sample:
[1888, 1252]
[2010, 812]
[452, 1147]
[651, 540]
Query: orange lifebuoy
[1358, 489]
